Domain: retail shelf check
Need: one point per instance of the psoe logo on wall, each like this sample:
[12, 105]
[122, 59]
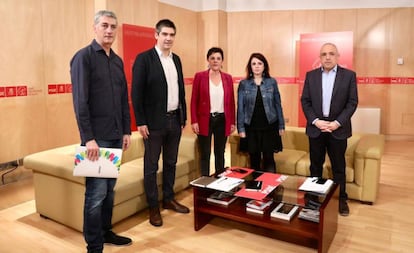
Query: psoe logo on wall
[13, 91]
[59, 88]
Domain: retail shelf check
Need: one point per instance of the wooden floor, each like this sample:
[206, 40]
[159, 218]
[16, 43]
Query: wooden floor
[387, 226]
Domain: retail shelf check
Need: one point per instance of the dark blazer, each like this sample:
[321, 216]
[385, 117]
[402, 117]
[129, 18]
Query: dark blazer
[149, 90]
[200, 102]
[343, 104]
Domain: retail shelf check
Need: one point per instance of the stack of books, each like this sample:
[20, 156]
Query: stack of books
[309, 214]
[222, 198]
[284, 211]
[258, 206]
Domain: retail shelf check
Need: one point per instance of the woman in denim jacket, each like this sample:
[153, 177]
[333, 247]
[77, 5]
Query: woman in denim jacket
[260, 120]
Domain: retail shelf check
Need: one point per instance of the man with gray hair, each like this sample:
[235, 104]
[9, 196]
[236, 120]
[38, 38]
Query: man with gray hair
[100, 99]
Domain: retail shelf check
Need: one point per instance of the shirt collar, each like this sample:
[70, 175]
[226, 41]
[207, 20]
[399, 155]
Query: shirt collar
[98, 47]
[334, 68]
[159, 52]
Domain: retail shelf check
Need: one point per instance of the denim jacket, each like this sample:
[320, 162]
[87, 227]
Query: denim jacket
[247, 92]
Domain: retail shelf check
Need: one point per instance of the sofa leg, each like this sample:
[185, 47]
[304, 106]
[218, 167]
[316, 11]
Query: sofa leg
[367, 203]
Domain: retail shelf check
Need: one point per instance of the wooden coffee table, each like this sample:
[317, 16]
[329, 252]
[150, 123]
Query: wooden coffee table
[314, 235]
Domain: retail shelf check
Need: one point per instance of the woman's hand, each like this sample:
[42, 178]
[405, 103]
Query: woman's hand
[195, 128]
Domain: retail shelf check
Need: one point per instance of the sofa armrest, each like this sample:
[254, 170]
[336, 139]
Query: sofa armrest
[370, 146]
[136, 149]
[367, 165]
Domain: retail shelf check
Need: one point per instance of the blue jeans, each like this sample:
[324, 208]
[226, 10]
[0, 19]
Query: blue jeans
[99, 202]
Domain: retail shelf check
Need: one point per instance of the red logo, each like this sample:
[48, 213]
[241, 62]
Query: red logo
[61, 88]
[52, 89]
[68, 88]
[2, 92]
[11, 91]
[21, 91]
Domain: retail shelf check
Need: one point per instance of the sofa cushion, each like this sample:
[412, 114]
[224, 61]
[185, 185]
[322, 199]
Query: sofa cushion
[287, 159]
[135, 150]
[130, 182]
[303, 168]
[57, 162]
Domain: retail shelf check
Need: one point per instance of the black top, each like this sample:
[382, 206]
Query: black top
[259, 119]
[100, 94]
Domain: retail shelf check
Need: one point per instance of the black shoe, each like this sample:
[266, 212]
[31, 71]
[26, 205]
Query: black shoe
[174, 205]
[343, 208]
[111, 238]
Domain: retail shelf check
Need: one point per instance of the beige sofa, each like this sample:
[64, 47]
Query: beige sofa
[363, 158]
[60, 196]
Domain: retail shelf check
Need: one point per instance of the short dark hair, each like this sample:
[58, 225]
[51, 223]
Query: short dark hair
[164, 23]
[215, 50]
[261, 57]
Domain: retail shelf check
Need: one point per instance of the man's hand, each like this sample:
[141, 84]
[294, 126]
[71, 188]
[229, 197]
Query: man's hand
[126, 141]
[326, 126]
[143, 130]
[323, 125]
[92, 150]
[332, 126]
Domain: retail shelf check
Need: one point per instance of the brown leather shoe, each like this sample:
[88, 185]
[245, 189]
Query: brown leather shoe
[174, 205]
[155, 217]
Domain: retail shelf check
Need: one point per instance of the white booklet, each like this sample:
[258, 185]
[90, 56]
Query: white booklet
[225, 184]
[107, 166]
[316, 185]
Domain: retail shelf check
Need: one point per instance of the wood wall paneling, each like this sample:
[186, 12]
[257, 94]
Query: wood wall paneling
[372, 47]
[278, 46]
[186, 40]
[340, 20]
[400, 118]
[401, 27]
[62, 38]
[377, 96]
[208, 30]
[21, 64]
[244, 38]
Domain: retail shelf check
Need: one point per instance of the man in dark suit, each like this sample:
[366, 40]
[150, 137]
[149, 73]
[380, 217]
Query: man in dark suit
[160, 110]
[329, 100]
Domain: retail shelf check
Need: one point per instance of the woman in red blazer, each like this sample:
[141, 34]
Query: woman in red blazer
[213, 110]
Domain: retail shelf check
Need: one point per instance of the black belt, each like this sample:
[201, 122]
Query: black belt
[172, 113]
[216, 114]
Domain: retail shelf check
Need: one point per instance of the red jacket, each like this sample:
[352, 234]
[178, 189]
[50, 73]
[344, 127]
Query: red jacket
[200, 102]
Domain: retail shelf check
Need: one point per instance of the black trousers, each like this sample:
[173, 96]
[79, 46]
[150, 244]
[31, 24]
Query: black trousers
[336, 149]
[167, 140]
[216, 129]
[269, 164]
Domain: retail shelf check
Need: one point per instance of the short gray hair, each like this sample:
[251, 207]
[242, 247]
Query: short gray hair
[102, 13]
